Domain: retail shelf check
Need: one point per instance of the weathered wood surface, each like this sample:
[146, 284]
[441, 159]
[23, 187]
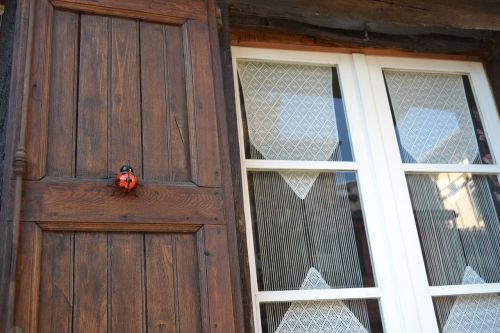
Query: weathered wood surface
[89, 201]
[105, 90]
[164, 11]
[292, 35]
[13, 40]
[126, 282]
[223, 113]
[452, 17]
[234, 168]
[458, 27]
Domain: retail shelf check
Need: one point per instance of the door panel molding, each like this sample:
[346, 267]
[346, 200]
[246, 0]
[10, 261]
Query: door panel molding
[169, 12]
[93, 201]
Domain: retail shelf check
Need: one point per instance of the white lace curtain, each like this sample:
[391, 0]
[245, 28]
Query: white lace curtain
[303, 219]
[290, 115]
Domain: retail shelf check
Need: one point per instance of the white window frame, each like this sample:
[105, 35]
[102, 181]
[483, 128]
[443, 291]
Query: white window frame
[401, 283]
[397, 170]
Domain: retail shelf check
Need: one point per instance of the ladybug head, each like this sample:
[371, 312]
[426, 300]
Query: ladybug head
[126, 168]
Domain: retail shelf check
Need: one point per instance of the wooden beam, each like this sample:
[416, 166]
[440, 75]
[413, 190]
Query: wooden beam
[246, 29]
[234, 171]
[452, 17]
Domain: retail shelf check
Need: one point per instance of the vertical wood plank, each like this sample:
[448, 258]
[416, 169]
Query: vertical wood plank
[155, 121]
[28, 277]
[218, 280]
[224, 97]
[202, 274]
[56, 282]
[224, 92]
[127, 284]
[36, 145]
[92, 149]
[63, 95]
[187, 284]
[125, 127]
[177, 99]
[204, 143]
[161, 312]
[90, 283]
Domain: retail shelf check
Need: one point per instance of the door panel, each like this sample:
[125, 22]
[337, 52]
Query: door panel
[114, 83]
[117, 281]
[114, 90]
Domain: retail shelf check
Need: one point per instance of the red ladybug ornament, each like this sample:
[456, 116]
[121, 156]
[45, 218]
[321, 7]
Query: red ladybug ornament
[125, 180]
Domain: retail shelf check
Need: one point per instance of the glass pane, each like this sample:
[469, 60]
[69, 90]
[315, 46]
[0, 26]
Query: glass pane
[436, 118]
[346, 316]
[320, 236]
[468, 313]
[293, 112]
[457, 216]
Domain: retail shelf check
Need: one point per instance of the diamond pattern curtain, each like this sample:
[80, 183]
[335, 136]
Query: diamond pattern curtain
[290, 115]
[432, 117]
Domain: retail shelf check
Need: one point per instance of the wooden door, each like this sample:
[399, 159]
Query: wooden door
[117, 82]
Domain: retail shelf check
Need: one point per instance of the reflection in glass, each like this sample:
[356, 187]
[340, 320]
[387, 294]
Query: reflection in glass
[436, 118]
[468, 313]
[457, 216]
[321, 316]
[293, 112]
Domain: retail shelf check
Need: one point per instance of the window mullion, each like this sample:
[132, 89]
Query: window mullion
[408, 270]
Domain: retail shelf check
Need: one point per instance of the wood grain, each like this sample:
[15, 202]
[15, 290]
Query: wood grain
[119, 227]
[63, 95]
[224, 97]
[160, 283]
[178, 116]
[127, 283]
[92, 139]
[56, 283]
[205, 156]
[90, 313]
[107, 90]
[202, 273]
[13, 39]
[28, 278]
[459, 17]
[36, 144]
[172, 11]
[125, 127]
[275, 32]
[304, 41]
[218, 280]
[88, 201]
[187, 284]
[155, 106]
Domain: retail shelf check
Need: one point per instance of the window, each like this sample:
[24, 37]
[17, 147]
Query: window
[371, 190]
